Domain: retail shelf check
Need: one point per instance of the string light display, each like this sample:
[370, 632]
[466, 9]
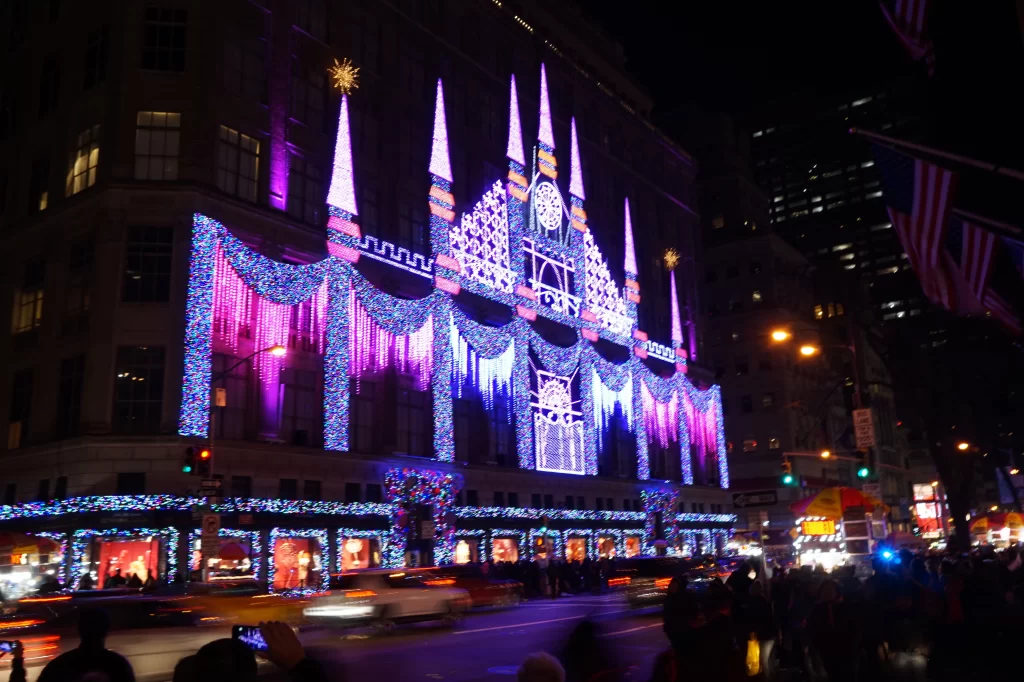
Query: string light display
[318, 534]
[477, 534]
[344, 76]
[662, 418]
[491, 376]
[407, 487]
[250, 536]
[342, 191]
[372, 349]
[544, 133]
[659, 503]
[62, 540]
[513, 534]
[605, 401]
[81, 557]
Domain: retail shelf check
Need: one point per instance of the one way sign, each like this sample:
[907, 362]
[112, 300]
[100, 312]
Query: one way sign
[755, 498]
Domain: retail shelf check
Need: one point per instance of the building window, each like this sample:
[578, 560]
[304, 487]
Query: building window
[84, 161]
[311, 491]
[305, 191]
[238, 163]
[374, 492]
[21, 409]
[241, 486]
[499, 499]
[353, 492]
[163, 39]
[79, 285]
[28, 300]
[311, 17]
[288, 489]
[840, 310]
[245, 68]
[742, 368]
[513, 499]
[755, 296]
[731, 272]
[131, 483]
[39, 185]
[69, 396]
[96, 57]
[750, 446]
[147, 266]
[139, 388]
[718, 222]
[412, 422]
[818, 312]
[157, 134]
[49, 87]
[768, 401]
[774, 444]
[535, 501]
[307, 105]
[549, 501]
[60, 490]
[831, 309]
[747, 404]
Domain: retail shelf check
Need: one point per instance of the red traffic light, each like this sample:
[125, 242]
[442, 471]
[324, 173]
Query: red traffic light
[204, 454]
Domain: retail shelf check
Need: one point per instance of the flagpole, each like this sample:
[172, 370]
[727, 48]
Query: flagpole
[994, 226]
[967, 161]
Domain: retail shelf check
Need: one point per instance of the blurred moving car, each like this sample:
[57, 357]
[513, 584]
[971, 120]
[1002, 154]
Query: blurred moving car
[646, 580]
[382, 598]
[483, 590]
[232, 601]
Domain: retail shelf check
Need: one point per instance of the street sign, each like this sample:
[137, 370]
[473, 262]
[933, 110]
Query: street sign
[872, 489]
[212, 487]
[210, 547]
[864, 428]
[211, 525]
[755, 498]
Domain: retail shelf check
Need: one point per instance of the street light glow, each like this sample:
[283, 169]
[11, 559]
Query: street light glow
[825, 454]
[994, 507]
[935, 484]
[278, 351]
[808, 350]
[1014, 471]
[962, 446]
[780, 335]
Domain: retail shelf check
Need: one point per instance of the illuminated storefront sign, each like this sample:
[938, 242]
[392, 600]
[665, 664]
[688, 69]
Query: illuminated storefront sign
[825, 527]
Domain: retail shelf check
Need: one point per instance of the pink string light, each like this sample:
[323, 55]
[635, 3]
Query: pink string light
[373, 349]
[661, 419]
[273, 328]
[703, 430]
[232, 302]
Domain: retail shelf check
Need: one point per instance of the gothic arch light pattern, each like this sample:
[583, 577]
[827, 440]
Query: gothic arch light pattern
[525, 245]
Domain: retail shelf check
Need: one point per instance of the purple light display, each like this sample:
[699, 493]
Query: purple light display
[373, 349]
[630, 263]
[544, 133]
[677, 325]
[515, 130]
[342, 193]
[661, 418]
[575, 169]
[440, 165]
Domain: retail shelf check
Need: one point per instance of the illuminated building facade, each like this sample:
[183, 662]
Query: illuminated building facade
[471, 346]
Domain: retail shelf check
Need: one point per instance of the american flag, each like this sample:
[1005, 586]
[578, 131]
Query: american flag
[975, 246]
[909, 19]
[919, 195]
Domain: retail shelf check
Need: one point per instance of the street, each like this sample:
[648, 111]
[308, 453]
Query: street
[486, 645]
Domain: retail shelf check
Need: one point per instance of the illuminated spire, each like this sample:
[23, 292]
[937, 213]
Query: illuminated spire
[677, 324]
[342, 193]
[575, 170]
[630, 264]
[440, 164]
[515, 131]
[544, 131]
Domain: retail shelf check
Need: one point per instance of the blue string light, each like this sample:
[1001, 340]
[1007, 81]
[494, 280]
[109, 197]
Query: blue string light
[664, 502]
[80, 561]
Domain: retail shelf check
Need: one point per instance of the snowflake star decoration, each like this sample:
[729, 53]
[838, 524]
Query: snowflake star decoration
[344, 75]
[671, 258]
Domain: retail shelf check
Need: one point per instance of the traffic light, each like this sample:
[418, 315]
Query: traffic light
[787, 473]
[204, 462]
[544, 521]
[863, 468]
[863, 472]
[188, 466]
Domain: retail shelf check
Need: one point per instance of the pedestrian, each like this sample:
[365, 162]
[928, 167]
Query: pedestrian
[17, 662]
[91, 656]
[553, 577]
[759, 623]
[540, 667]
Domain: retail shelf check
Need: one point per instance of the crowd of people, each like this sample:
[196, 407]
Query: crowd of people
[552, 577]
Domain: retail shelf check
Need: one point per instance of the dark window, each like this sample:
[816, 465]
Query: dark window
[549, 501]
[157, 137]
[147, 264]
[570, 502]
[96, 57]
[131, 483]
[27, 313]
[747, 404]
[311, 17]
[308, 96]
[288, 489]
[742, 369]
[305, 191]
[311, 491]
[43, 490]
[609, 504]
[69, 396]
[599, 504]
[245, 68]
[353, 492]
[625, 505]
[711, 277]
[39, 185]
[513, 499]
[768, 401]
[732, 271]
[11, 493]
[163, 39]
[764, 364]
[413, 412]
[636, 505]
[755, 268]
[499, 499]
[60, 491]
[535, 501]
[472, 498]
[21, 409]
[458, 499]
[374, 492]
[49, 87]
[241, 486]
[139, 388]
[580, 502]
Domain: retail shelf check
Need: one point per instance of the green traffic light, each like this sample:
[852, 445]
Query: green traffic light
[863, 472]
[788, 479]
[187, 469]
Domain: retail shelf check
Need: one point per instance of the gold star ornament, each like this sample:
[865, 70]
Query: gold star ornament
[344, 75]
[671, 258]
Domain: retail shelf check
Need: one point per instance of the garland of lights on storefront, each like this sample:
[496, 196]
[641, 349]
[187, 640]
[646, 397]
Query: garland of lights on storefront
[477, 534]
[336, 278]
[343, 534]
[659, 501]
[584, 534]
[81, 539]
[251, 536]
[62, 540]
[434, 488]
[616, 534]
[516, 534]
[555, 536]
[318, 534]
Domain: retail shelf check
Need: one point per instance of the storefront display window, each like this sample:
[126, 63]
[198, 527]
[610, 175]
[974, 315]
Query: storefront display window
[234, 559]
[504, 549]
[632, 546]
[297, 563]
[467, 551]
[27, 563]
[606, 547]
[575, 549]
[128, 562]
[359, 553]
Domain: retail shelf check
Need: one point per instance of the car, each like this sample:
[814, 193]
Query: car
[483, 590]
[382, 599]
[646, 580]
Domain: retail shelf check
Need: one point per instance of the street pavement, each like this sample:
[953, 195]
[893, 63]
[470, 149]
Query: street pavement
[486, 645]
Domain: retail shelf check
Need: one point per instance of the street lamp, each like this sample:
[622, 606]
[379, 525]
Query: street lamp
[935, 484]
[963, 446]
[825, 454]
[1014, 471]
[808, 350]
[780, 335]
[278, 351]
